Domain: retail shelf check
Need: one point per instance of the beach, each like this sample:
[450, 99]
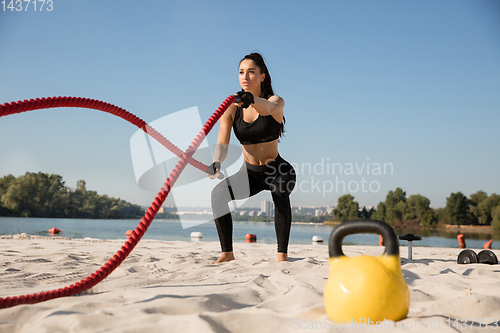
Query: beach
[173, 286]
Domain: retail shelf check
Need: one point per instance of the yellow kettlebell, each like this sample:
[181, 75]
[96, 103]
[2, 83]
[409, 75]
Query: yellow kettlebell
[365, 289]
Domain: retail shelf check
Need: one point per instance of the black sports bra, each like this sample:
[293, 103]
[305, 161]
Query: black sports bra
[263, 129]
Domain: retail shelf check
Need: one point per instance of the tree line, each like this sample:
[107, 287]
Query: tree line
[43, 195]
[415, 211]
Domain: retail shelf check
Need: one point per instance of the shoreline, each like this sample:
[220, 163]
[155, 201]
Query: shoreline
[468, 228]
[446, 227]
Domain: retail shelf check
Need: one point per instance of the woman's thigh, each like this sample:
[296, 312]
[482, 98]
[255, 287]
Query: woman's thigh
[241, 185]
[282, 182]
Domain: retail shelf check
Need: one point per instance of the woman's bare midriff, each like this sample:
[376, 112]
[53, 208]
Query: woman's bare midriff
[260, 153]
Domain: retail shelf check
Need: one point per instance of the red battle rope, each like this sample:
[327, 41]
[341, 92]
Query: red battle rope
[77, 102]
[185, 158]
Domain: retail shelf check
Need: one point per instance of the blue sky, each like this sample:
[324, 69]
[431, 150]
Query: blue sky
[413, 85]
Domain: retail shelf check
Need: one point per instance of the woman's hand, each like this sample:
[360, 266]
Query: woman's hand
[213, 170]
[244, 99]
[265, 107]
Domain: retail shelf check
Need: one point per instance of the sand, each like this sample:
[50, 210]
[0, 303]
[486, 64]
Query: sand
[175, 287]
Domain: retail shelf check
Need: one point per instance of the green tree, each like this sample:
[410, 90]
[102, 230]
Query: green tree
[370, 212]
[429, 219]
[366, 214]
[380, 212]
[476, 198]
[91, 206]
[4, 186]
[395, 197]
[485, 208]
[416, 207]
[80, 185]
[347, 208]
[457, 208]
[130, 210]
[397, 209]
[475, 201]
[395, 204]
[76, 200]
[5, 182]
[44, 195]
[36, 195]
[495, 222]
[442, 216]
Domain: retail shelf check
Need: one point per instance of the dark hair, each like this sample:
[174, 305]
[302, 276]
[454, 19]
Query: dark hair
[265, 86]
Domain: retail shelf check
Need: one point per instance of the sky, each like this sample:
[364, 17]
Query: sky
[378, 94]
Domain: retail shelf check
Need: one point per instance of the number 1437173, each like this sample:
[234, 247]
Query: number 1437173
[25, 5]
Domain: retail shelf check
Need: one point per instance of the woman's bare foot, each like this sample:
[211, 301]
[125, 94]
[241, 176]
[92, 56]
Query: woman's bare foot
[282, 256]
[225, 256]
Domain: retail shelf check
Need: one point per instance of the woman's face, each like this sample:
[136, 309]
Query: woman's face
[250, 77]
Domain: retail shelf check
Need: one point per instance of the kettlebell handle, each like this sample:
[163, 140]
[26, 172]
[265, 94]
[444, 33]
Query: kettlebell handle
[363, 227]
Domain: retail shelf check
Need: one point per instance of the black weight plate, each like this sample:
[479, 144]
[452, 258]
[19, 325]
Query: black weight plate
[467, 257]
[487, 257]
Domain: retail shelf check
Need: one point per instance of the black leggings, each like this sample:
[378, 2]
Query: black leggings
[277, 177]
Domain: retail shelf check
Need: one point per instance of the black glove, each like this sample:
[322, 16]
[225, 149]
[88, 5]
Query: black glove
[245, 97]
[212, 168]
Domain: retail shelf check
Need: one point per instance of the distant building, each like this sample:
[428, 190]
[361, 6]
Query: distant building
[318, 212]
[267, 208]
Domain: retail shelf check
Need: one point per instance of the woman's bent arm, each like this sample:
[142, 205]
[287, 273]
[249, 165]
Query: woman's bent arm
[226, 123]
[266, 107]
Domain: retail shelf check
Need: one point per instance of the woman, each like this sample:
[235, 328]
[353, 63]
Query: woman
[258, 123]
